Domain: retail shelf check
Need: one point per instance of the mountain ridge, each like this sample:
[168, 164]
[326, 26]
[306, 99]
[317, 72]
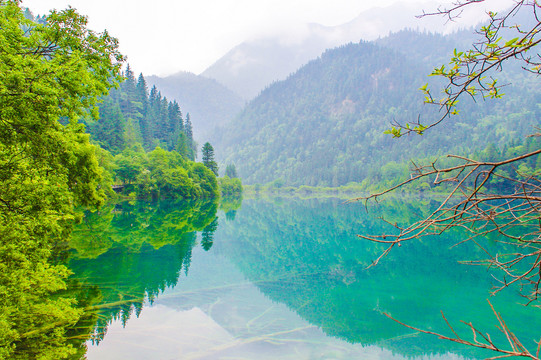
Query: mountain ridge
[252, 65]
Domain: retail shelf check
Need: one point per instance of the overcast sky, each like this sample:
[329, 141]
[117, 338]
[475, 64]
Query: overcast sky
[165, 36]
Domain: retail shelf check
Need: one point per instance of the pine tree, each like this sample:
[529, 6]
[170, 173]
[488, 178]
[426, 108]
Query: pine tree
[182, 145]
[176, 125]
[109, 129]
[142, 99]
[189, 136]
[207, 154]
[152, 115]
[142, 93]
[154, 96]
[129, 93]
[207, 236]
[161, 119]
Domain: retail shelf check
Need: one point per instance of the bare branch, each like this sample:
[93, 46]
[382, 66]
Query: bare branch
[516, 347]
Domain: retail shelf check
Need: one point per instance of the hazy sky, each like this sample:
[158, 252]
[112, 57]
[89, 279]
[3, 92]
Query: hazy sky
[165, 36]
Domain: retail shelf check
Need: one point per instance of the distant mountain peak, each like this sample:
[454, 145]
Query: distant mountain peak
[251, 66]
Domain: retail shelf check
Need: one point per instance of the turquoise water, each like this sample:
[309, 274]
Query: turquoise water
[281, 279]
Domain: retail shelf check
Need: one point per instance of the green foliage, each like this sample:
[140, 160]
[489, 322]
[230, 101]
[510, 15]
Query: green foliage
[230, 186]
[162, 173]
[47, 166]
[206, 182]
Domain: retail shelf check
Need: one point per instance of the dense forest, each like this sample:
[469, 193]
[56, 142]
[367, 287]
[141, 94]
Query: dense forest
[325, 124]
[148, 146]
[132, 114]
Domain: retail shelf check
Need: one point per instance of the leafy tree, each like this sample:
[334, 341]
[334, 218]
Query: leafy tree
[128, 165]
[205, 180]
[207, 155]
[47, 73]
[230, 186]
[162, 173]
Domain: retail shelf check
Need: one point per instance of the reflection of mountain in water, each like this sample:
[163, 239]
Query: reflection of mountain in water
[134, 252]
[306, 255]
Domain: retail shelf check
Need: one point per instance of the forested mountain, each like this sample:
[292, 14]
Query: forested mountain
[211, 103]
[324, 125]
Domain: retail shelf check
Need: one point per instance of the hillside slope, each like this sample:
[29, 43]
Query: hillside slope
[324, 124]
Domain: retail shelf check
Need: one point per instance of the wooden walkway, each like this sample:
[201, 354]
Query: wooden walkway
[117, 188]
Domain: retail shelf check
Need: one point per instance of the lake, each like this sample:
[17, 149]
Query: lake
[280, 279]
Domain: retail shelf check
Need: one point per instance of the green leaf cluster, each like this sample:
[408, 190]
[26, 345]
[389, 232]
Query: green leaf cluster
[162, 173]
[50, 75]
[230, 186]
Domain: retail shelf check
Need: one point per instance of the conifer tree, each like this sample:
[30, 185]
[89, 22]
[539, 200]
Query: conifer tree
[129, 91]
[189, 136]
[142, 93]
[144, 123]
[160, 117]
[188, 127]
[182, 145]
[109, 129]
[207, 236]
[176, 125]
[154, 96]
[207, 154]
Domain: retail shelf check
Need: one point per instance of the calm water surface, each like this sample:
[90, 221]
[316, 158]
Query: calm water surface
[279, 279]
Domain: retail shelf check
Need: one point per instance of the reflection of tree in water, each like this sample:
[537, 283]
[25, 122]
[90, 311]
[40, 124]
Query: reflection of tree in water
[207, 236]
[230, 215]
[229, 205]
[133, 252]
[306, 255]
